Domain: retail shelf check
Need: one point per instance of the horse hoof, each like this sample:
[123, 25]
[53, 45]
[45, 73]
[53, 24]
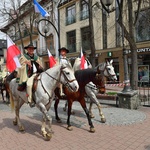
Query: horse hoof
[59, 121]
[92, 116]
[69, 128]
[103, 120]
[48, 136]
[15, 122]
[21, 129]
[92, 130]
[64, 109]
[72, 112]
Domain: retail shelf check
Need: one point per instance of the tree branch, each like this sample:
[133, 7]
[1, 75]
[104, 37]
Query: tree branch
[138, 11]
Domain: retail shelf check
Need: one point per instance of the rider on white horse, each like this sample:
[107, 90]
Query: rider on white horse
[63, 60]
[30, 65]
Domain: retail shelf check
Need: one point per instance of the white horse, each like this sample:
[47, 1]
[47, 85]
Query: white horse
[47, 81]
[91, 89]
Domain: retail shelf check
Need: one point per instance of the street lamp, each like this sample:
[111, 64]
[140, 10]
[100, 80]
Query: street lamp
[127, 98]
[127, 87]
[45, 30]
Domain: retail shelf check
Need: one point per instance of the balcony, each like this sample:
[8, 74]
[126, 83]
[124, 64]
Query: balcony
[24, 33]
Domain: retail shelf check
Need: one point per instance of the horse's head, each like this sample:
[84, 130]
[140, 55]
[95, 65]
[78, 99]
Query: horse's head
[108, 70]
[68, 78]
[99, 81]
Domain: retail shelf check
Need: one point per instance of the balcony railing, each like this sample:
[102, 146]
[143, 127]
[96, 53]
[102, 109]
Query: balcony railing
[25, 33]
[70, 20]
[84, 15]
[42, 51]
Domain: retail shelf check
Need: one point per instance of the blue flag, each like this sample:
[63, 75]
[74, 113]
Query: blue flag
[39, 9]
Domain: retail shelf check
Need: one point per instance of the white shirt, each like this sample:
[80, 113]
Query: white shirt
[63, 60]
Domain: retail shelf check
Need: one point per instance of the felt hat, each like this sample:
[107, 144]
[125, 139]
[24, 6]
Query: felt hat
[30, 45]
[84, 53]
[63, 48]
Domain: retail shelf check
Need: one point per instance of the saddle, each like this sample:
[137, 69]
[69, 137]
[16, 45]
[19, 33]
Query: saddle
[35, 80]
[23, 86]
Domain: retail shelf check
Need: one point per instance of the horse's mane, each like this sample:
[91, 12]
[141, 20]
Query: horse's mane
[11, 76]
[85, 76]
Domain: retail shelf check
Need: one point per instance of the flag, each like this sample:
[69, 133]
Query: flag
[12, 61]
[83, 61]
[52, 60]
[39, 9]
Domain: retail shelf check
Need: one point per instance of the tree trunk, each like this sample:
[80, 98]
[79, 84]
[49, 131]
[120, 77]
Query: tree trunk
[134, 70]
[92, 42]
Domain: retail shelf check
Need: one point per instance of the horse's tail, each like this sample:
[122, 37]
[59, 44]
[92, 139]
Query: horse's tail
[11, 101]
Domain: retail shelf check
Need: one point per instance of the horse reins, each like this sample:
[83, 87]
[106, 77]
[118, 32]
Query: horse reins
[67, 84]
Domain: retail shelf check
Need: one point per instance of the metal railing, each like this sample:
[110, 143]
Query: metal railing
[144, 93]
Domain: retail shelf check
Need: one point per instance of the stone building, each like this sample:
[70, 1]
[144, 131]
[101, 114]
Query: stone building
[74, 33]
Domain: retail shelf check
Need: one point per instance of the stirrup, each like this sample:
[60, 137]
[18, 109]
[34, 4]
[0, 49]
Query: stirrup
[32, 104]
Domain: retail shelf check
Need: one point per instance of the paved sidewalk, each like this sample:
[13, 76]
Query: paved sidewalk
[124, 130]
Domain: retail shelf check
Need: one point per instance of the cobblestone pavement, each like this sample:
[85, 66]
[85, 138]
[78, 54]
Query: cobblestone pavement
[124, 130]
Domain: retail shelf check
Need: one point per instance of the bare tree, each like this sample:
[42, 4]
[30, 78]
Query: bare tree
[14, 14]
[129, 31]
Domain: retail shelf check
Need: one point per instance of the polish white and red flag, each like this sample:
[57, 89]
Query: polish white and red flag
[82, 65]
[12, 61]
[52, 61]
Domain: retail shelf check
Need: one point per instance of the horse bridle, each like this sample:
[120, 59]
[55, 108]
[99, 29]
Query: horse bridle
[68, 81]
[61, 72]
[105, 68]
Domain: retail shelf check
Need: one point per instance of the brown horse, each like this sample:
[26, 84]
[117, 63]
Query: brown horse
[83, 77]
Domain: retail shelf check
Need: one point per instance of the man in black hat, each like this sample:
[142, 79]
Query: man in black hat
[30, 65]
[63, 60]
[62, 55]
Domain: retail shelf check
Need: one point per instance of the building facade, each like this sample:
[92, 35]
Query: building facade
[108, 36]
[72, 22]
[25, 27]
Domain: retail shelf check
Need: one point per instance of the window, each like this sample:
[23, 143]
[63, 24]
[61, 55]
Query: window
[143, 26]
[50, 43]
[84, 10]
[71, 15]
[71, 41]
[85, 36]
[104, 25]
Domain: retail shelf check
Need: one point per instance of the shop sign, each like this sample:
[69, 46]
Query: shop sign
[142, 50]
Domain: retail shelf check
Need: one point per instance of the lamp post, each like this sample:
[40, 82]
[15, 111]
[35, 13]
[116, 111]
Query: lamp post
[128, 98]
[45, 30]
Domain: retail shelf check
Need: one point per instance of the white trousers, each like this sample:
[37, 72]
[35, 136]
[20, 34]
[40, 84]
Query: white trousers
[29, 87]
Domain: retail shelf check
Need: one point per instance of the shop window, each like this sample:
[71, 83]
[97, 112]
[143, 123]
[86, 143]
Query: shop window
[143, 26]
[71, 41]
